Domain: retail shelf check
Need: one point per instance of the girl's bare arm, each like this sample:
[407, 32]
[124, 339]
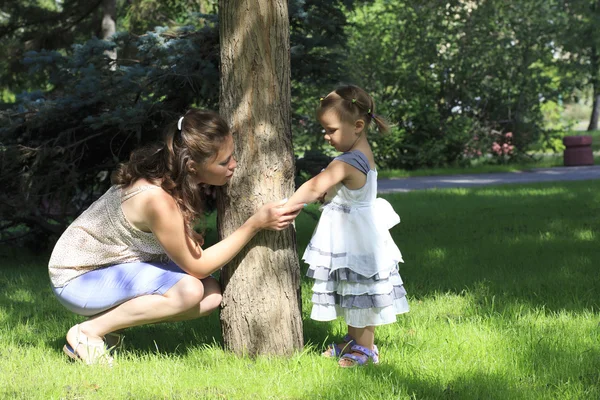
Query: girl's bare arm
[313, 189]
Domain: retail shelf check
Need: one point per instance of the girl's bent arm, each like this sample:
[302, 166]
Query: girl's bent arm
[168, 225]
[314, 188]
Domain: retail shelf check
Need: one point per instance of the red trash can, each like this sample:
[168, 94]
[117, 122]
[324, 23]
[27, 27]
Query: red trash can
[578, 150]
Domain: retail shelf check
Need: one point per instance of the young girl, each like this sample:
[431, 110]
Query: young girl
[351, 255]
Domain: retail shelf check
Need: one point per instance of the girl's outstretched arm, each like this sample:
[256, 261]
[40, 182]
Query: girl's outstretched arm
[313, 189]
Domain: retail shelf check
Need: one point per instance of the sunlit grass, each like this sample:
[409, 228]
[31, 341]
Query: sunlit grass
[504, 291]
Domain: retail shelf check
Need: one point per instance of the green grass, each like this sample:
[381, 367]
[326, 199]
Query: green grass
[504, 289]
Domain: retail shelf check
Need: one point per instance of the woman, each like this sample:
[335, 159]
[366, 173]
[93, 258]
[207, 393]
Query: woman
[133, 258]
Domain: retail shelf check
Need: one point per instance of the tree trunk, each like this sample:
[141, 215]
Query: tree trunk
[595, 65]
[261, 298]
[109, 27]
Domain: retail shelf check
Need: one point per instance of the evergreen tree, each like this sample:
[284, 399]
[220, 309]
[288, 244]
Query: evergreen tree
[81, 113]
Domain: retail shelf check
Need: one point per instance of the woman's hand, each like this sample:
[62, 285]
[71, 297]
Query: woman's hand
[276, 215]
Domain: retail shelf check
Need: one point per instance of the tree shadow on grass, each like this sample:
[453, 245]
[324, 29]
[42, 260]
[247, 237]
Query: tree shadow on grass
[481, 380]
[385, 381]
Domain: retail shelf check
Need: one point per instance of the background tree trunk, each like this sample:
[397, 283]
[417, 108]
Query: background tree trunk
[261, 300]
[109, 26]
[595, 66]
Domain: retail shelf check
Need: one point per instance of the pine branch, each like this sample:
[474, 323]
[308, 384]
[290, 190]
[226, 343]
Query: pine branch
[56, 18]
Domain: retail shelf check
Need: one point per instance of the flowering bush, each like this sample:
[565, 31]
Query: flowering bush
[497, 145]
[503, 146]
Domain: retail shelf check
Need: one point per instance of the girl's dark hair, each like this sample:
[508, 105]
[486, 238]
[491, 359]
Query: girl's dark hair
[352, 103]
[167, 163]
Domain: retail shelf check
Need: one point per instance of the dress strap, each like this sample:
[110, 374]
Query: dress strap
[357, 159]
[136, 190]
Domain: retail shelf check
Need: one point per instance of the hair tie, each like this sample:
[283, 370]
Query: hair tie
[353, 101]
[321, 98]
[179, 123]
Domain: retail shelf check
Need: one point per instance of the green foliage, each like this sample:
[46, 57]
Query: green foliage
[318, 60]
[140, 16]
[80, 116]
[61, 144]
[453, 78]
[33, 25]
[448, 72]
[579, 21]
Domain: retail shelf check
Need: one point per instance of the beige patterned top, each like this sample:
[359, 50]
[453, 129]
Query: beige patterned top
[101, 237]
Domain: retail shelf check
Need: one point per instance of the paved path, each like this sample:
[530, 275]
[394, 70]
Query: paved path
[470, 180]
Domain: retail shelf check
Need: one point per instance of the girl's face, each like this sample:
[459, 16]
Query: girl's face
[340, 134]
[218, 170]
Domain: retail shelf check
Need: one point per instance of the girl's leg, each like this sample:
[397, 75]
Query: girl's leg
[364, 337]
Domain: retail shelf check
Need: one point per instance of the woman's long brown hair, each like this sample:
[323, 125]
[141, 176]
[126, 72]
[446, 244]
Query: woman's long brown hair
[167, 163]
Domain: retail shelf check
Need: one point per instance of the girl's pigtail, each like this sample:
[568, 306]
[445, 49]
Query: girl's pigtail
[382, 124]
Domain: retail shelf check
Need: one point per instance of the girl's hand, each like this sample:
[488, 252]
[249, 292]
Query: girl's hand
[276, 215]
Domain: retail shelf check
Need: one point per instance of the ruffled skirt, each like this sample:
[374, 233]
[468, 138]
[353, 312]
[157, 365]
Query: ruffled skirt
[354, 263]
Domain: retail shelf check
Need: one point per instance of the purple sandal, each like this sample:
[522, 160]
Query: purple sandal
[335, 350]
[362, 358]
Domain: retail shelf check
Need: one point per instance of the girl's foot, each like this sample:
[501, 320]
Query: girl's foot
[89, 349]
[338, 349]
[358, 356]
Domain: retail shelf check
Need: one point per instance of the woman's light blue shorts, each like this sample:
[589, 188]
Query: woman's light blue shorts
[104, 288]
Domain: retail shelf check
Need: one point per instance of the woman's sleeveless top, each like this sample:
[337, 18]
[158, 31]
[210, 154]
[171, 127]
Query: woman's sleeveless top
[101, 237]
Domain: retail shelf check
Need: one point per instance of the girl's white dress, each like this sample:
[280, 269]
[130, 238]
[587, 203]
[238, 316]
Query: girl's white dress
[352, 256]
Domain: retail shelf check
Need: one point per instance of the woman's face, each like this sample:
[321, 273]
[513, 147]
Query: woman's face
[216, 171]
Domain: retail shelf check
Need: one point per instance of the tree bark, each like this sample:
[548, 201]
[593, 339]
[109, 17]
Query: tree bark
[595, 65]
[109, 27]
[260, 312]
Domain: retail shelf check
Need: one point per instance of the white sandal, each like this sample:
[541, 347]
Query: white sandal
[114, 341]
[96, 349]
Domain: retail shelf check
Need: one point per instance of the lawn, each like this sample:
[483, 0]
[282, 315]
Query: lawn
[505, 294]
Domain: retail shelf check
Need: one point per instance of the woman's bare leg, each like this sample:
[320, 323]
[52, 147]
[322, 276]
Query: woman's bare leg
[188, 298]
[210, 302]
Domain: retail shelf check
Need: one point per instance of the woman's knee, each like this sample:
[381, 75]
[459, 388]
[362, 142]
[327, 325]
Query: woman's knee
[212, 295]
[188, 292]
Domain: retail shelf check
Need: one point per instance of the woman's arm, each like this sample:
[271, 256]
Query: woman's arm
[313, 189]
[166, 222]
